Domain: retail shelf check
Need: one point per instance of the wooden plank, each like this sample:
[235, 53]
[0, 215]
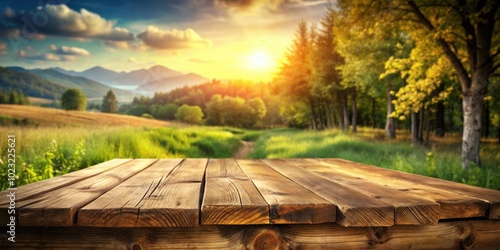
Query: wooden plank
[231, 197]
[59, 207]
[120, 206]
[288, 202]
[354, 209]
[454, 205]
[482, 235]
[175, 203]
[38, 188]
[409, 209]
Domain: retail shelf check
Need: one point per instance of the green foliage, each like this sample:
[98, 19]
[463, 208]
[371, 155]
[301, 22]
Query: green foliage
[235, 112]
[73, 99]
[6, 120]
[147, 116]
[164, 112]
[189, 114]
[13, 97]
[109, 103]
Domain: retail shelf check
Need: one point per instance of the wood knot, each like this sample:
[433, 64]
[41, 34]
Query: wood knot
[377, 235]
[469, 241]
[264, 239]
[136, 246]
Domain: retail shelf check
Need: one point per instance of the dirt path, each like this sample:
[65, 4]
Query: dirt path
[245, 149]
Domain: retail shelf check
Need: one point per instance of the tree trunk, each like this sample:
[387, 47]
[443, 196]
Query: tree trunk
[414, 128]
[440, 124]
[427, 127]
[345, 111]
[374, 122]
[471, 138]
[354, 112]
[313, 115]
[390, 128]
[498, 134]
[329, 122]
[421, 114]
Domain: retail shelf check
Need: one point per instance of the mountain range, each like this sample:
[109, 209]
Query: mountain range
[95, 81]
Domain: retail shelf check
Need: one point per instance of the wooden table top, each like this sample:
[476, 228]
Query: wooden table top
[194, 192]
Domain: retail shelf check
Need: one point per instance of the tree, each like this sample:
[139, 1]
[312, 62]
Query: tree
[295, 71]
[73, 99]
[325, 81]
[189, 114]
[464, 32]
[109, 103]
[215, 110]
[255, 110]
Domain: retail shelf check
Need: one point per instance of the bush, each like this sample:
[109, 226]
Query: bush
[73, 99]
[189, 114]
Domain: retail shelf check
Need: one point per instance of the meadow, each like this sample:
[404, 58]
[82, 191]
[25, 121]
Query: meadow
[440, 159]
[47, 146]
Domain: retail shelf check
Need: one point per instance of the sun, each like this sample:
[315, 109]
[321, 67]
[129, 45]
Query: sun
[259, 60]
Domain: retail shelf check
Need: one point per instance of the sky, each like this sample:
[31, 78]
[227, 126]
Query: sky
[222, 39]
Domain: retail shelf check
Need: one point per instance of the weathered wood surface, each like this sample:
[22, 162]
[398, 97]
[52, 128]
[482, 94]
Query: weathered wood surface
[231, 197]
[189, 192]
[38, 188]
[457, 200]
[59, 207]
[444, 235]
[288, 201]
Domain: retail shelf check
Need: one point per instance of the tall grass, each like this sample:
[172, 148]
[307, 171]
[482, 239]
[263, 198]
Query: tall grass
[441, 160]
[42, 153]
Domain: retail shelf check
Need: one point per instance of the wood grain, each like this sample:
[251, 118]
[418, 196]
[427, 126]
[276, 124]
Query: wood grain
[289, 202]
[354, 209]
[409, 209]
[445, 235]
[120, 206]
[231, 197]
[39, 188]
[59, 207]
[453, 204]
[176, 202]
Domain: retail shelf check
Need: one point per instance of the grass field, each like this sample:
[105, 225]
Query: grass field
[53, 142]
[441, 159]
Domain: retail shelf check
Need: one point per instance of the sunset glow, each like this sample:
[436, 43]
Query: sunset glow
[211, 38]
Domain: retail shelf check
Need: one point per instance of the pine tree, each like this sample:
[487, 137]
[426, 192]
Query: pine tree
[109, 103]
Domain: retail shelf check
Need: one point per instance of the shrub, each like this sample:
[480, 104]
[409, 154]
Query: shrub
[189, 114]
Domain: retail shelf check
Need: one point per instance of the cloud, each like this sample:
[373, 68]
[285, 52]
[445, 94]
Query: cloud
[60, 20]
[158, 38]
[246, 5]
[250, 6]
[69, 51]
[131, 60]
[3, 49]
[42, 57]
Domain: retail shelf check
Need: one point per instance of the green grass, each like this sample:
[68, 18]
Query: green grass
[42, 153]
[441, 160]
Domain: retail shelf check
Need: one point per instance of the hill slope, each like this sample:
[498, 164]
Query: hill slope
[170, 83]
[29, 84]
[142, 76]
[47, 117]
[89, 87]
